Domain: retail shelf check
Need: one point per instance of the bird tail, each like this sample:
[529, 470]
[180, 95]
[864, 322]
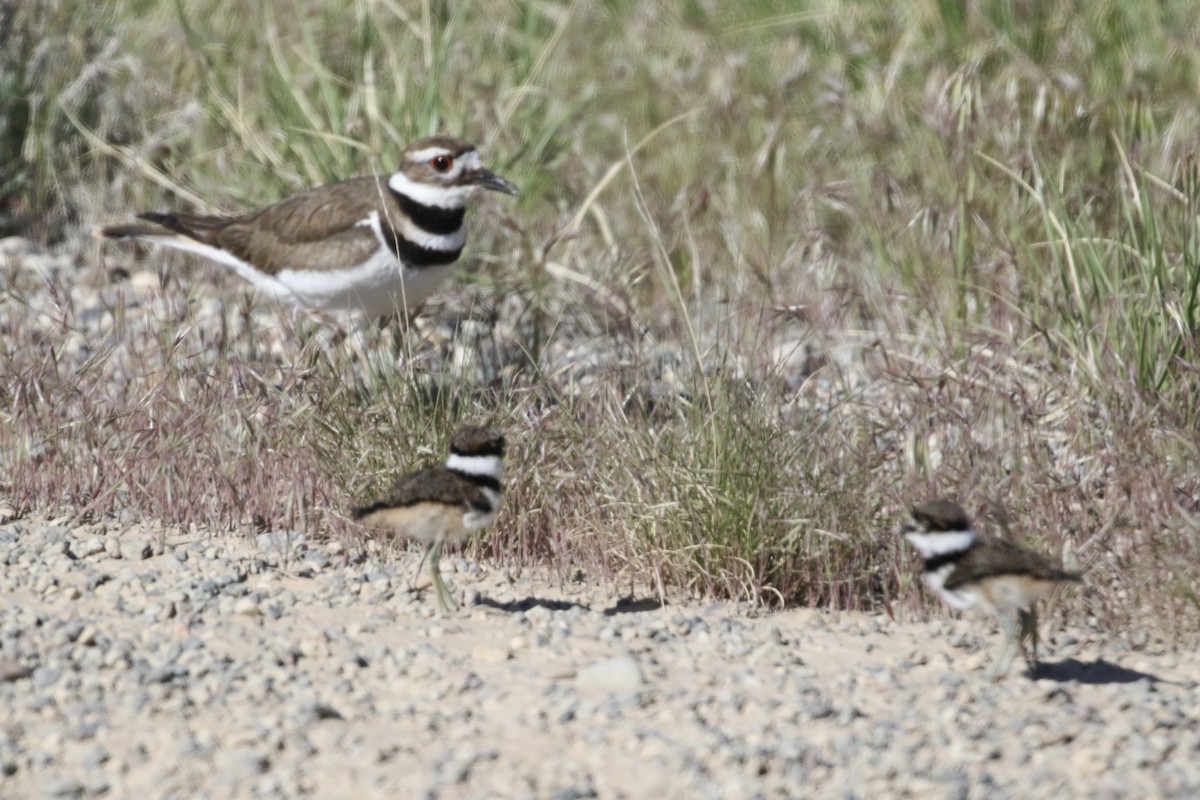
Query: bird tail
[119, 232]
[193, 226]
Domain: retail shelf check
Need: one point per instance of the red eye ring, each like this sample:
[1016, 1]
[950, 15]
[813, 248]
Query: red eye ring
[442, 163]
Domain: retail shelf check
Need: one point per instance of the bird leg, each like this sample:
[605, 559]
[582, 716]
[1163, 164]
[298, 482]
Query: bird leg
[417, 575]
[1029, 630]
[446, 604]
[1008, 649]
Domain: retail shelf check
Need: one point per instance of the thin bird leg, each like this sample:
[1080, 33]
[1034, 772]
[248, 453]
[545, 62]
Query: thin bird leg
[1008, 650]
[446, 604]
[356, 341]
[424, 557]
[1029, 630]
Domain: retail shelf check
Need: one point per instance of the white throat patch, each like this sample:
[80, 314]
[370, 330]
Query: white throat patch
[489, 466]
[939, 544]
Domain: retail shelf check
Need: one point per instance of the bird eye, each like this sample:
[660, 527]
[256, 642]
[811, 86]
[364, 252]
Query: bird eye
[442, 163]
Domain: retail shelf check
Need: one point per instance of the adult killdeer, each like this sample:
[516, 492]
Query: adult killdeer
[446, 503]
[376, 244]
[968, 570]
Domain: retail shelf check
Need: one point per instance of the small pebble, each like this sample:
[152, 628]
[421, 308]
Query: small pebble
[613, 674]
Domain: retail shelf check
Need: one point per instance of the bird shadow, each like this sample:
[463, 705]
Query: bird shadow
[1090, 672]
[633, 605]
[526, 603]
[624, 605]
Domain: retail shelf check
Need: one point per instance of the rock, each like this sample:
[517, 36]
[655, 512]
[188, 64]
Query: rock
[96, 784]
[44, 677]
[489, 654]
[283, 543]
[91, 547]
[620, 674]
[94, 756]
[242, 762]
[11, 670]
[63, 787]
[136, 549]
[245, 606]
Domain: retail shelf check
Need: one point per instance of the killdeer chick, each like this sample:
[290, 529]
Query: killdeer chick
[968, 570]
[446, 503]
[375, 244]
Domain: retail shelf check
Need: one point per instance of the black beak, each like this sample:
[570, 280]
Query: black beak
[490, 180]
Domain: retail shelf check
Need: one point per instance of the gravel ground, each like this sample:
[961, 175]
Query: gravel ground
[136, 662]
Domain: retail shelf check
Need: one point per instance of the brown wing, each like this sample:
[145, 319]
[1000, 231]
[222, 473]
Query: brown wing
[316, 230]
[993, 557]
[434, 484]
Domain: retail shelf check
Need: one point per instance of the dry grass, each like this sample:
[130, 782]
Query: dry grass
[772, 277]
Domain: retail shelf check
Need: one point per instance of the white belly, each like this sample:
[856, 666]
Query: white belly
[424, 522]
[377, 288]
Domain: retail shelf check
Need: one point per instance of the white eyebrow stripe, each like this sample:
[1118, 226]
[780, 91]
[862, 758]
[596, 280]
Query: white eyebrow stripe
[429, 152]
